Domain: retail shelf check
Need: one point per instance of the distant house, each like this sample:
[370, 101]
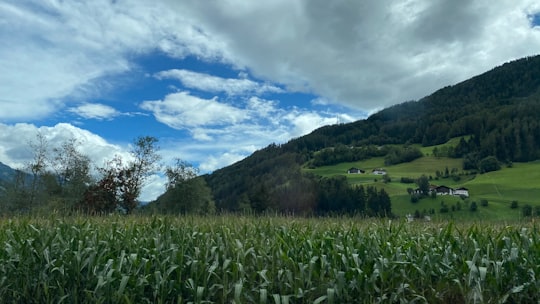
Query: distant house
[379, 171]
[443, 190]
[354, 170]
[462, 191]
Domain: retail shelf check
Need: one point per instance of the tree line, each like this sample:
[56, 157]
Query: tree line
[63, 179]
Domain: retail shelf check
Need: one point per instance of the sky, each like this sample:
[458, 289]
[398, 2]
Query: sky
[214, 81]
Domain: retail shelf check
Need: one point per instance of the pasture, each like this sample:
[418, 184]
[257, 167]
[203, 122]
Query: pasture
[519, 183]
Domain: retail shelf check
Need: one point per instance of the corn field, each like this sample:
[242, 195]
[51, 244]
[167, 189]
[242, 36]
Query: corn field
[234, 259]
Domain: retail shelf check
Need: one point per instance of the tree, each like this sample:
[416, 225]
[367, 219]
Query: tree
[180, 172]
[132, 178]
[185, 191]
[72, 172]
[489, 164]
[526, 210]
[105, 195]
[473, 207]
[38, 165]
[423, 184]
[385, 205]
[514, 204]
[123, 183]
[189, 196]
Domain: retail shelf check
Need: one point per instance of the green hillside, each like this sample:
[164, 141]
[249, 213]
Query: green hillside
[489, 120]
[520, 183]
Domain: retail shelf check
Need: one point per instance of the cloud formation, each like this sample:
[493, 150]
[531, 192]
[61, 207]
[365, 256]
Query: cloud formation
[234, 131]
[95, 111]
[369, 54]
[182, 110]
[63, 50]
[214, 84]
[365, 55]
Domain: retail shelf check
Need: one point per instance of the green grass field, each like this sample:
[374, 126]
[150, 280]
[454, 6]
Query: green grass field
[235, 259]
[519, 183]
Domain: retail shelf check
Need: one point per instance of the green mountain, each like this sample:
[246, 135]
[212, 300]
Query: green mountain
[496, 115]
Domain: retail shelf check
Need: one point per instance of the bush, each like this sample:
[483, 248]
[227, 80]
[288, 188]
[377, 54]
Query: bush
[407, 180]
[514, 205]
[489, 164]
[473, 207]
[484, 203]
[526, 210]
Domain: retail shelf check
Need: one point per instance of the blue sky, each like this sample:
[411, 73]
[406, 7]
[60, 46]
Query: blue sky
[216, 80]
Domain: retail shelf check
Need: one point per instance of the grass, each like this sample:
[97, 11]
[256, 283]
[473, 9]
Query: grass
[499, 188]
[233, 259]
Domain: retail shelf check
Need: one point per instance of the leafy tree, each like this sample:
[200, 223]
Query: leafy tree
[179, 173]
[537, 211]
[489, 164]
[17, 193]
[186, 192]
[514, 205]
[145, 163]
[38, 166]
[423, 184]
[71, 173]
[526, 210]
[188, 196]
[102, 197]
[121, 184]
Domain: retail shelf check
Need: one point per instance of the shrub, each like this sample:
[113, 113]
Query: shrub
[514, 204]
[407, 180]
[489, 164]
[526, 210]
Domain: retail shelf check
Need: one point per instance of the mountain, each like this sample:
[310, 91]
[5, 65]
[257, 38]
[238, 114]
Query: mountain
[6, 172]
[6, 176]
[497, 113]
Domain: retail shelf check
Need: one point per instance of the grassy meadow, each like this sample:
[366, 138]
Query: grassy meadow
[235, 259]
[518, 183]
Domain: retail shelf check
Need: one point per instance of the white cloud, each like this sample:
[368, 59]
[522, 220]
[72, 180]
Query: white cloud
[214, 84]
[258, 122]
[95, 111]
[182, 110]
[369, 54]
[214, 162]
[65, 48]
[305, 122]
[15, 150]
[362, 54]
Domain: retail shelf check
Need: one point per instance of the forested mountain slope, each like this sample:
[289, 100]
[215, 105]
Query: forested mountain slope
[498, 111]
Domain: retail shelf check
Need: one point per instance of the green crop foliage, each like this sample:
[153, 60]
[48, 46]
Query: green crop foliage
[234, 259]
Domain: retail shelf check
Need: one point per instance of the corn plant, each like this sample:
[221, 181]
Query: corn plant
[233, 259]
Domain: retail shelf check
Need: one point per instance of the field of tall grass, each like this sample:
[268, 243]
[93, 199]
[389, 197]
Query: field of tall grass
[234, 259]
